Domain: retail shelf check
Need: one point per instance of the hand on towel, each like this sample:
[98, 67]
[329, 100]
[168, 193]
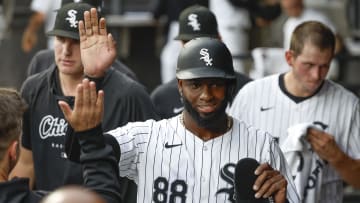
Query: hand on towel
[324, 145]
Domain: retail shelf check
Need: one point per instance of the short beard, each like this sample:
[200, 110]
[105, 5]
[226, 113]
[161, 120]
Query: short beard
[211, 120]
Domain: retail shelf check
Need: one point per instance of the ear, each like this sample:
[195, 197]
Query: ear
[13, 150]
[289, 57]
[180, 86]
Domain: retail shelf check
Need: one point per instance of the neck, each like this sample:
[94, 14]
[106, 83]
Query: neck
[292, 86]
[68, 83]
[206, 134]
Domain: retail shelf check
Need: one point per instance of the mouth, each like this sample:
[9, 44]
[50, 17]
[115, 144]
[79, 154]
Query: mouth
[67, 62]
[209, 108]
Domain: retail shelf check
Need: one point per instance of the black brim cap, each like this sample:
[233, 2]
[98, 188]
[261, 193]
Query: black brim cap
[197, 21]
[67, 20]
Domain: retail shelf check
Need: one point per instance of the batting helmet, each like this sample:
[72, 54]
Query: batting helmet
[205, 58]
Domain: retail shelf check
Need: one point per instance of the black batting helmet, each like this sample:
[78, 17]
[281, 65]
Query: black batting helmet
[205, 58]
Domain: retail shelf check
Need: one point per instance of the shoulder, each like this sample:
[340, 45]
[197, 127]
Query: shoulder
[134, 129]
[339, 92]
[252, 131]
[267, 81]
[116, 81]
[37, 81]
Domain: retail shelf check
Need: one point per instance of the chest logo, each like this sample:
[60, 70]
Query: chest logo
[52, 127]
[167, 145]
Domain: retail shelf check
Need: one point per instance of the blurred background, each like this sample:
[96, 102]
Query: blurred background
[140, 37]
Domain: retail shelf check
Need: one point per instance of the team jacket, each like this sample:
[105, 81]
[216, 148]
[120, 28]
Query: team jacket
[44, 125]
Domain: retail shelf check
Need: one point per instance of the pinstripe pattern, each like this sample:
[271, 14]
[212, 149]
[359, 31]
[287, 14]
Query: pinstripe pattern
[333, 106]
[206, 168]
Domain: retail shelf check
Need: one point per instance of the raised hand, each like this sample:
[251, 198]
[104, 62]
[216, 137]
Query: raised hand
[88, 107]
[270, 183]
[97, 47]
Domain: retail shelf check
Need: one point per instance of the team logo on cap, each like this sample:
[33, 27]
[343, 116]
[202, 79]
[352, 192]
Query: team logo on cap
[205, 57]
[193, 22]
[72, 18]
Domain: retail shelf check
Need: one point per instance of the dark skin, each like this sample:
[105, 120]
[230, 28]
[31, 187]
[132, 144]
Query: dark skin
[205, 96]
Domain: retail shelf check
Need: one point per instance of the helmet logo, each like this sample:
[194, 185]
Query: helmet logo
[193, 22]
[205, 57]
[72, 18]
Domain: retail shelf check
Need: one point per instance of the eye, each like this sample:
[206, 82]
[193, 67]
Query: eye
[61, 39]
[194, 85]
[217, 84]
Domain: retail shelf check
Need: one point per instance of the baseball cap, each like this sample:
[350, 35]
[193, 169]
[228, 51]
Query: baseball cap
[205, 57]
[67, 20]
[197, 21]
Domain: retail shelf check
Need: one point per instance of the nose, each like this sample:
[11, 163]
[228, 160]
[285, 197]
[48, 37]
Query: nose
[316, 73]
[206, 93]
[67, 47]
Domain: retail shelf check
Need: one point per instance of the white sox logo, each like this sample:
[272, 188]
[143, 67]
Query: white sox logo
[72, 18]
[193, 22]
[206, 57]
[227, 173]
[52, 127]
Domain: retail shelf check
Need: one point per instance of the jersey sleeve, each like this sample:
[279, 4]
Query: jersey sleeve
[354, 137]
[25, 137]
[133, 140]
[96, 152]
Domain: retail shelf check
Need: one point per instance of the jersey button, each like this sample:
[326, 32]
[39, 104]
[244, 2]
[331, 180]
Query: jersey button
[205, 148]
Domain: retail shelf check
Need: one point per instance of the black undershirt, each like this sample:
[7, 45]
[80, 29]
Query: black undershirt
[292, 97]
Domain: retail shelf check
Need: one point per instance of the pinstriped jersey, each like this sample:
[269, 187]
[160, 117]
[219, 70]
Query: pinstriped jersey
[170, 164]
[334, 109]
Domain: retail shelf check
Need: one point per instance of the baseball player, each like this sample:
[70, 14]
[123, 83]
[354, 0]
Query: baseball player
[194, 21]
[190, 157]
[94, 152]
[303, 96]
[42, 157]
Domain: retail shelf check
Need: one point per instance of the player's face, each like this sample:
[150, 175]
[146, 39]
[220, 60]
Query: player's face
[205, 99]
[67, 56]
[309, 69]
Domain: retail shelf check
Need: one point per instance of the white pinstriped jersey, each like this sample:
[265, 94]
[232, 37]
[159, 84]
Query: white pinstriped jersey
[263, 104]
[170, 164]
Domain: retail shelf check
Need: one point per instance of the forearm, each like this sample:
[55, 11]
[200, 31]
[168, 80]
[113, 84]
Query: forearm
[35, 22]
[348, 168]
[100, 168]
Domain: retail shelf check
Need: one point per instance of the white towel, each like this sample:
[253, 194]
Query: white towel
[302, 161]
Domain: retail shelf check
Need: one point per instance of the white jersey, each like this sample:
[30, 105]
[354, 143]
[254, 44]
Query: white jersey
[170, 164]
[334, 109]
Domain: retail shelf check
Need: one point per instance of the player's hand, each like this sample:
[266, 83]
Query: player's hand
[270, 183]
[324, 145]
[88, 107]
[97, 47]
